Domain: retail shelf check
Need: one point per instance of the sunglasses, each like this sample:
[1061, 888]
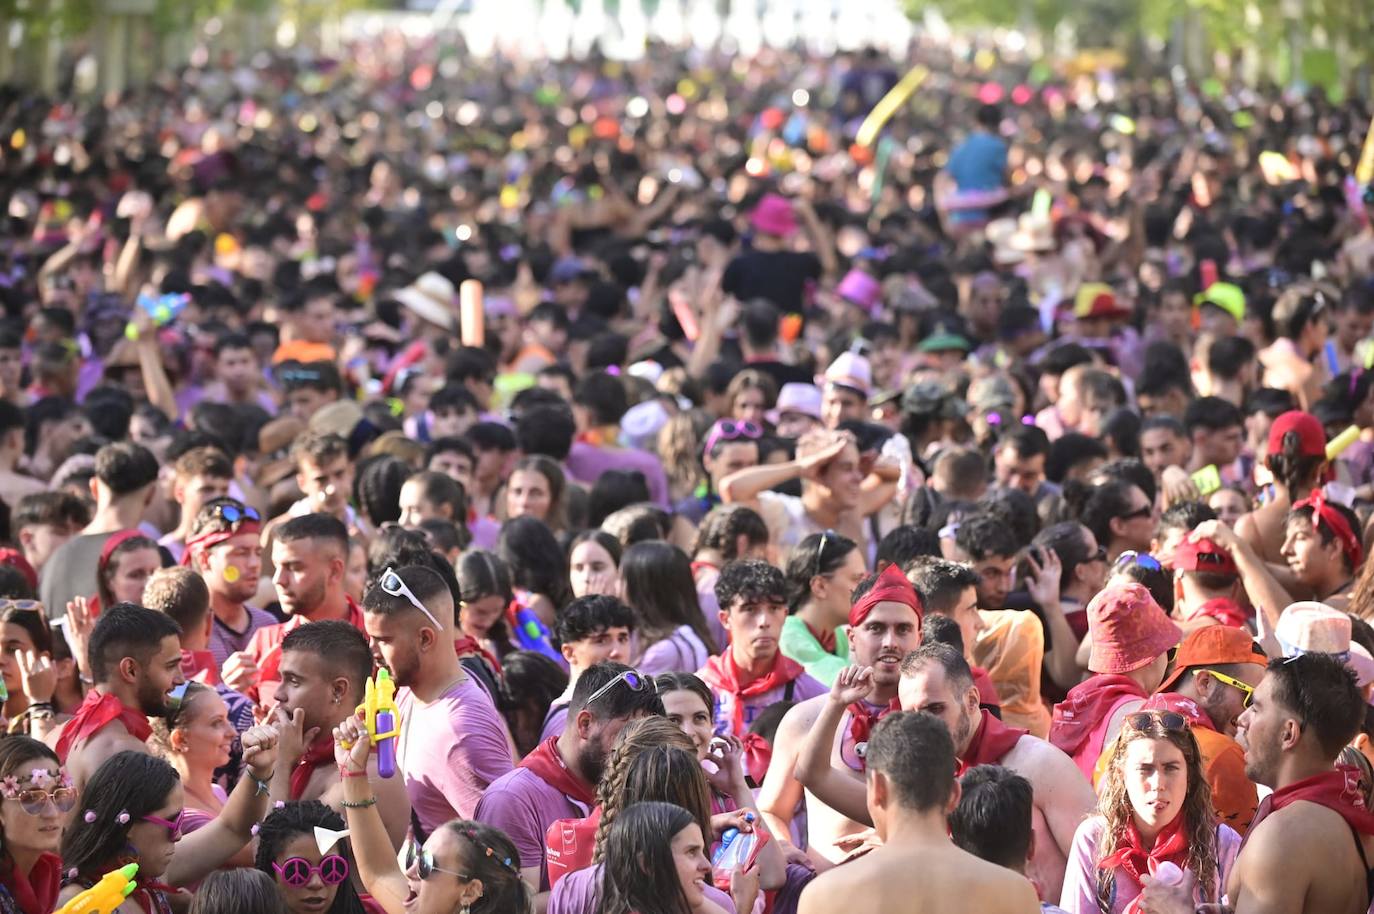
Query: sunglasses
[296, 871]
[299, 376]
[1245, 689]
[34, 800]
[173, 827]
[636, 681]
[1099, 555]
[176, 698]
[820, 548]
[413, 855]
[234, 515]
[392, 585]
[1171, 721]
[731, 430]
[1142, 511]
[1142, 559]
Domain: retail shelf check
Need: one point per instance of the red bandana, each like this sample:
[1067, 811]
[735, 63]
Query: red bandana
[863, 718]
[723, 675]
[468, 647]
[991, 741]
[36, 891]
[825, 639]
[317, 754]
[1225, 611]
[1323, 513]
[1171, 845]
[757, 754]
[200, 666]
[1078, 715]
[98, 711]
[548, 764]
[1337, 790]
[210, 539]
[891, 587]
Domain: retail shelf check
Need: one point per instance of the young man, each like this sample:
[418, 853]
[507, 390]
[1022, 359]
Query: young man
[910, 791]
[324, 473]
[135, 658]
[324, 671]
[495, 448]
[452, 411]
[1293, 361]
[1163, 444]
[474, 369]
[1019, 461]
[1206, 587]
[124, 484]
[309, 386]
[590, 629]
[453, 741]
[13, 484]
[752, 673]
[238, 374]
[1307, 848]
[599, 403]
[848, 383]
[1216, 430]
[44, 521]
[203, 474]
[885, 624]
[558, 780]
[990, 548]
[1322, 547]
[227, 555]
[951, 589]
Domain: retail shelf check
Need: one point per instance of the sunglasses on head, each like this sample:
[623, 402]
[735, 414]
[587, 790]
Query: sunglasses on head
[731, 430]
[413, 855]
[1142, 559]
[633, 679]
[820, 548]
[22, 606]
[1171, 721]
[235, 515]
[296, 871]
[173, 827]
[392, 585]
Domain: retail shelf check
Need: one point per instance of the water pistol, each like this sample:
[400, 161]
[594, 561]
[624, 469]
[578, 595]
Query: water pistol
[383, 720]
[533, 634]
[106, 895]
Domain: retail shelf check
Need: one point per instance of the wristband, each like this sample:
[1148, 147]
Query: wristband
[262, 786]
[346, 773]
[361, 804]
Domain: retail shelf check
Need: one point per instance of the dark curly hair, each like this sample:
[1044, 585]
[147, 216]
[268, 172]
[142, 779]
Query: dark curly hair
[302, 817]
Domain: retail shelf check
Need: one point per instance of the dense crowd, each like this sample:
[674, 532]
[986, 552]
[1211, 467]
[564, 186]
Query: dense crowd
[432, 484]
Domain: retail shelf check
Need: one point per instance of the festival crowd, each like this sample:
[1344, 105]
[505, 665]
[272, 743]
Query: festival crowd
[754, 508]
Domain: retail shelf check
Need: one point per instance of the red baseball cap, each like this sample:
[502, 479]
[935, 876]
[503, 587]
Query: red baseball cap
[1311, 435]
[1212, 646]
[1204, 555]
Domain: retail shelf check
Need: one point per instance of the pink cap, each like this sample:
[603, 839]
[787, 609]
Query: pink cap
[859, 288]
[797, 398]
[1129, 630]
[851, 370]
[774, 216]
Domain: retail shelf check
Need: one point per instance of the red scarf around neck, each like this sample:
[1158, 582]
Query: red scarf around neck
[317, 755]
[863, 718]
[548, 764]
[1132, 858]
[1086, 706]
[99, 710]
[724, 675]
[35, 892]
[825, 639]
[992, 740]
[467, 646]
[1337, 790]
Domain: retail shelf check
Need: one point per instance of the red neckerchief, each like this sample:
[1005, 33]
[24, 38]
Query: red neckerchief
[1077, 716]
[758, 752]
[1224, 611]
[99, 710]
[697, 566]
[1179, 704]
[987, 691]
[825, 639]
[269, 668]
[1337, 790]
[723, 674]
[317, 754]
[1131, 857]
[200, 666]
[863, 717]
[992, 740]
[545, 762]
[468, 647]
[35, 892]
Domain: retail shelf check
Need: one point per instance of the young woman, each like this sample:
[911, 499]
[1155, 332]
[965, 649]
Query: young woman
[538, 568]
[1296, 460]
[690, 707]
[238, 891]
[309, 881]
[821, 572]
[38, 799]
[27, 666]
[594, 564]
[130, 811]
[1155, 806]
[656, 864]
[125, 564]
[751, 394]
[428, 495]
[536, 489]
[656, 581]
[463, 866]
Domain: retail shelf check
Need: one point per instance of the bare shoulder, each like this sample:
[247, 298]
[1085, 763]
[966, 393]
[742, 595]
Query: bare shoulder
[801, 716]
[1034, 757]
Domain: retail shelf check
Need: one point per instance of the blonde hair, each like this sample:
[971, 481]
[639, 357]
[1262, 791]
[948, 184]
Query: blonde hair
[679, 448]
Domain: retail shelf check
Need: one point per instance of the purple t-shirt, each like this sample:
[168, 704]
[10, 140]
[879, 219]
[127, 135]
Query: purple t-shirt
[524, 805]
[680, 652]
[586, 463]
[485, 532]
[225, 641]
[555, 721]
[450, 750]
[576, 893]
[803, 687]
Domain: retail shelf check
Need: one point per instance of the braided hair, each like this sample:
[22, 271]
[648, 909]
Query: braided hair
[638, 737]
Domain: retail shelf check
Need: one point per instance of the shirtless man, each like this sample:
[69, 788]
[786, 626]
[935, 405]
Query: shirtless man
[1308, 846]
[910, 791]
[885, 625]
[937, 680]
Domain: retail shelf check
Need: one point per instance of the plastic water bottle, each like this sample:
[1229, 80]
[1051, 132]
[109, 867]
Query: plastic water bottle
[1168, 874]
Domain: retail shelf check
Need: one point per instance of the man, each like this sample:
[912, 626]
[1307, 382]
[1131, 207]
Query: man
[135, 659]
[885, 624]
[993, 820]
[453, 741]
[1322, 547]
[309, 386]
[309, 555]
[910, 792]
[223, 548]
[1307, 848]
[309, 321]
[590, 629]
[599, 403]
[1352, 324]
[495, 448]
[44, 521]
[758, 343]
[123, 487]
[990, 548]
[324, 473]
[727, 448]
[798, 410]
[1176, 522]
[325, 667]
[473, 369]
[1216, 430]
[751, 673]
[770, 267]
[202, 475]
[1164, 444]
[1293, 361]
[238, 375]
[454, 458]
[1131, 639]
[558, 780]
[1019, 461]
[13, 484]
[1206, 586]
[452, 411]
[848, 384]
[1086, 397]
[950, 589]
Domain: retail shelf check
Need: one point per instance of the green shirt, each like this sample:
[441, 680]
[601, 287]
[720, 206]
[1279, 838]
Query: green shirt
[799, 644]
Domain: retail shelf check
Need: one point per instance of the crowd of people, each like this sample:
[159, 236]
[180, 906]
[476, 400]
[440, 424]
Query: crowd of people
[757, 505]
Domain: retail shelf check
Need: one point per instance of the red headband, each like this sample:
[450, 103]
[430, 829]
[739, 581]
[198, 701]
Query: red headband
[212, 538]
[1323, 513]
[891, 587]
[114, 542]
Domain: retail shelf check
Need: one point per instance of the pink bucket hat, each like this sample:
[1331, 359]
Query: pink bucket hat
[861, 289]
[1308, 627]
[774, 216]
[1129, 629]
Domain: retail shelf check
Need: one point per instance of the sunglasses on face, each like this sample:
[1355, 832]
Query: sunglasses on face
[633, 679]
[731, 430]
[413, 855]
[173, 827]
[296, 871]
[1247, 690]
[34, 800]
[1142, 559]
[392, 585]
[1142, 511]
[1171, 721]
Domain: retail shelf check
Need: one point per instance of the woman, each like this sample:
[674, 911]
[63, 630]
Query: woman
[130, 811]
[656, 581]
[727, 533]
[236, 892]
[484, 592]
[751, 394]
[822, 571]
[38, 798]
[538, 569]
[311, 880]
[1296, 459]
[594, 564]
[1155, 805]
[1120, 516]
[690, 706]
[125, 564]
[530, 684]
[26, 664]
[656, 864]
[428, 495]
[463, 866]
[536, 489]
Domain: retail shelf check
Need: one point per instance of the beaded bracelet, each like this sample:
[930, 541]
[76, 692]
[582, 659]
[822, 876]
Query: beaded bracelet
[361, 804]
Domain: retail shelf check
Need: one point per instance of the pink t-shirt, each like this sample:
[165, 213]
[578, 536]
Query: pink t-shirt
[524, 805]
[802, 688]
[449, 751]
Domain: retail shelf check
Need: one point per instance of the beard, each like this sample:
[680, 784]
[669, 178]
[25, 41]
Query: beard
[964, 733]
[591, 763]
[151, 701]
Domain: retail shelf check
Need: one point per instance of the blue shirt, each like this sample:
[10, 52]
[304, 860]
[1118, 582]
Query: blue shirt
[979, 162]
